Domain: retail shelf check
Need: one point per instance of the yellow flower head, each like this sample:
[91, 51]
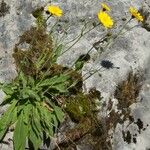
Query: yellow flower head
[105, 7]
[135, 14]
[55, 10]
[105, 19]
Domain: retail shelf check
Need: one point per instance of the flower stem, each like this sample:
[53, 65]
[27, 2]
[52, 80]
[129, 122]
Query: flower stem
[81, 35]
[112, 41]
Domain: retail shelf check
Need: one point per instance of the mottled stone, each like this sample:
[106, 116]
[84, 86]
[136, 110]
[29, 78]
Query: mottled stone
[129, 52]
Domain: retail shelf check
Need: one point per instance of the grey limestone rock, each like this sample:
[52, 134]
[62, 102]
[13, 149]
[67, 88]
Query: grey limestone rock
[131, 51]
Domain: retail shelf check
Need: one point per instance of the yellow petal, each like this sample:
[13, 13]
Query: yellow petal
[105, 19]
[55, 10]
[135, 14]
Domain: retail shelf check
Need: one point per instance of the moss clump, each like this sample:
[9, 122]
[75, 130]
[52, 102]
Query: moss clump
[82, 105]
[78, 107]
[82, 109]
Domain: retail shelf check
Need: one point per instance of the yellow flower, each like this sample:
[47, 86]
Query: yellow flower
[105, 19]
[105, 7]
[55, 10]
[135, 14]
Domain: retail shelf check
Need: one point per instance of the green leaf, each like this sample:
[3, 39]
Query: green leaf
[24, 93]
[14, 115]
[81, 60]
[23, 78]
[31, 93]
[45, 113]
[46, 119]
[79, 65]
[41, 60]
[20, 134]
[61, 88]
[27, 113]
[31, 81]
[55, 122]
[36, 141]
[35, 134]
[36, 125]
[7, 119]
[48, 128]
[7, 89]
[57, 52]
[59, 113]
[55, 80]
[7, 100]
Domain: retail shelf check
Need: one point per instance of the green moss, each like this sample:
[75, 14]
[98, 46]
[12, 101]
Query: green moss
[77, 107]
[81, 105]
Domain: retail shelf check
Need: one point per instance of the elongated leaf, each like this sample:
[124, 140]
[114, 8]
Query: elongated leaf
[57, 52]
[46, 119]
[27, 113]
[20, 134]
[59, 113]
[35, 134]
[6, 119]
[54, 80]
[23, 78]
[45, 114]
[41, 60]
[36, 125]
[7, 100]
[60, 87]
[55, 122]
[7, 89]
[31, 81]
[32, 94]
[36, 141]
[25, 94]
[14, 115]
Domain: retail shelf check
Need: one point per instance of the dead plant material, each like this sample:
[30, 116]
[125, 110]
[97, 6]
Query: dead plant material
[39, 44]
[139, 124]
[81, 129]
[127, 136]
[87, 134]
[127, 91]
[37, 38]
[4, 8]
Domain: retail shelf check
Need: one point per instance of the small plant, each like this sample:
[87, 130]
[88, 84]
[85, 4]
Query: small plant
[32, 109]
